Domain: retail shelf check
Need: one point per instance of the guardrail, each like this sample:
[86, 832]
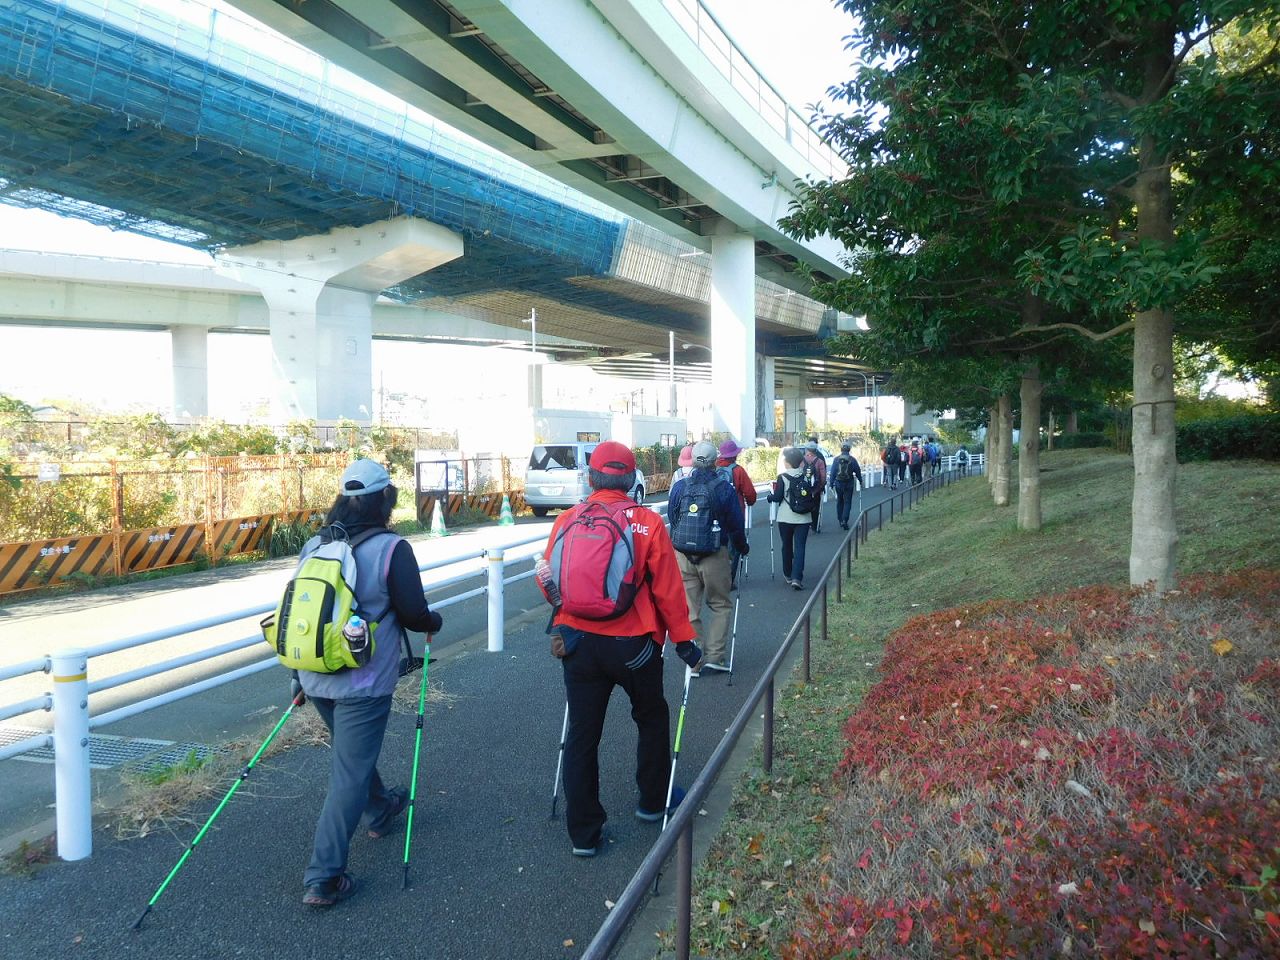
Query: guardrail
[678, 835]
[69, 699]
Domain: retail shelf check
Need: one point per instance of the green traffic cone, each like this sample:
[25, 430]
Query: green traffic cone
[505, 519]
[437, 520]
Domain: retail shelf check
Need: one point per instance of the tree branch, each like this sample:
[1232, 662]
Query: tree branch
[1074, 327]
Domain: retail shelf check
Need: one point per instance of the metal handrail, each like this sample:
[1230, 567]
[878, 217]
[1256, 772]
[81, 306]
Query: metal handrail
[679, 832]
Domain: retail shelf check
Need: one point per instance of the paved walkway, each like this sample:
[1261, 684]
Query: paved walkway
[492, 876]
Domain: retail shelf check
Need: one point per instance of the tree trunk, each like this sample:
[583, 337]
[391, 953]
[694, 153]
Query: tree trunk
[990, 445]
[1048, 437]
[1004, 450]
[1073, 422]
[1154, 536]
[1029, 452]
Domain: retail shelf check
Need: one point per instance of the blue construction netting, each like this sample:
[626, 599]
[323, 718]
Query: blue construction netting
[104, 119]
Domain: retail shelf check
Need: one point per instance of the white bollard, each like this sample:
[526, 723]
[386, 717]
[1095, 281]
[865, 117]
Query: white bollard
[496, 623]
[74, 802]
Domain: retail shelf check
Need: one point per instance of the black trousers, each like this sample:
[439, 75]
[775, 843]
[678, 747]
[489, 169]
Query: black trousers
[844, 500]
[596, 666]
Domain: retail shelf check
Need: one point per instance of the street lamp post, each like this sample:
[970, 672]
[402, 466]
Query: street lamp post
[532, 320]
[875, 398]
[671, 373]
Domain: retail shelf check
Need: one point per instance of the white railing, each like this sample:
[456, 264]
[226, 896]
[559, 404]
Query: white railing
[70, 670]
[727, 57]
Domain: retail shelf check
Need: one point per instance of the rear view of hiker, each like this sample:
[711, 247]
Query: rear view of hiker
[705, 517]
[845, 472]
[813, 457]
[915, 460]
[356, 703]
[795, 493]
[891, 457]
[962, 461]
[728, 466]
[615, 638]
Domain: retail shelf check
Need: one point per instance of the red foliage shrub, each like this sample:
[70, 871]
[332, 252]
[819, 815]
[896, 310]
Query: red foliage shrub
[1090, 774]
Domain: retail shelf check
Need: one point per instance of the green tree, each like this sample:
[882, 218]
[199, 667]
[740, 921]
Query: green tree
[1073, 120]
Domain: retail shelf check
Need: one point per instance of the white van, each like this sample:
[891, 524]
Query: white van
[557, 477]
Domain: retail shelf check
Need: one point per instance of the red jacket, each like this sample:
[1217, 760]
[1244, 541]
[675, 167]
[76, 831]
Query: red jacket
[819, 468]
[741, 482]
[660, 606]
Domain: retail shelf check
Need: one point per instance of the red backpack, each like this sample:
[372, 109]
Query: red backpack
[593, 561]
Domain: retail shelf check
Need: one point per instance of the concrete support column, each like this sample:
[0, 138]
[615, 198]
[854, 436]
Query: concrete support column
[793, 398]
[189, 349]
[535, 386]
[765, 376]
[320, 292]
[733, 333]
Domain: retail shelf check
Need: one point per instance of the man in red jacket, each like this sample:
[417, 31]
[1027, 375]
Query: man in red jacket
[625, 651]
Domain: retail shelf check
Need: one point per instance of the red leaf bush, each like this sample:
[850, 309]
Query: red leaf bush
[1094, 774]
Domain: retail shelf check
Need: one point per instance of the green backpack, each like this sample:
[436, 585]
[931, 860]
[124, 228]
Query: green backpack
[306, 630]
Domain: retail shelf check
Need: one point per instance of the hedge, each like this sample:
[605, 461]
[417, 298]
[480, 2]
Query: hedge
[1253, 437]
[1074, 441]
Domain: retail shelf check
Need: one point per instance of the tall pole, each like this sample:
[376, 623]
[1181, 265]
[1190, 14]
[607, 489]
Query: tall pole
[875, 401]
[671, 372]
[533, 337]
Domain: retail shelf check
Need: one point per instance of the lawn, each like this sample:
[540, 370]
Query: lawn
[1006, 753]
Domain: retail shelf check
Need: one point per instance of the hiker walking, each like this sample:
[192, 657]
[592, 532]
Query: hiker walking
[891, 457]
[728, 467]
[705, 517]
[813, 457]
[845, 472]
[915, 459]
[355, 704]
[618, 646]
[962, 461]
[795, 493]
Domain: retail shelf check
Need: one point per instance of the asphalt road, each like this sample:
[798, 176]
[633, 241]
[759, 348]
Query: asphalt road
[491, 874]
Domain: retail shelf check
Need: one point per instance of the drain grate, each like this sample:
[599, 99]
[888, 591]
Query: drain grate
[107, 751]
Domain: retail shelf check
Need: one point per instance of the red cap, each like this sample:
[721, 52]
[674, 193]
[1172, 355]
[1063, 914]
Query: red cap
[613, 457]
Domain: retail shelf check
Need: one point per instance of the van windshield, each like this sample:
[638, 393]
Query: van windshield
[554, 458]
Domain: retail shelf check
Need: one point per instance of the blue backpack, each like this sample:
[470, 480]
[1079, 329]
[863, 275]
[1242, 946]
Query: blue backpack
[695, 531]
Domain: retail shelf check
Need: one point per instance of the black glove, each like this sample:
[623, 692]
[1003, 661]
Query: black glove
[741, 545]
[689, 652]
[295, 688]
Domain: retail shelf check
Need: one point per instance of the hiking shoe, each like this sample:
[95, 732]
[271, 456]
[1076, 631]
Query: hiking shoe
[381, 825]
[717, 667]
[590, 851]
[648, 816]
[797, 585]
[325, 893]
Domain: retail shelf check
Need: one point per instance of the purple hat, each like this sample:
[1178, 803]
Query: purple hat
[729, 449]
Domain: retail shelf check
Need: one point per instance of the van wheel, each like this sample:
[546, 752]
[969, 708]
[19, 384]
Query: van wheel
[539, 511]
[639, 494]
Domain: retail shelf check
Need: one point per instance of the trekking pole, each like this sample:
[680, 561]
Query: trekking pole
[555, 784]
[298, 700]
[773, 516]
[733, 636]
[417, 751]
[675, 756]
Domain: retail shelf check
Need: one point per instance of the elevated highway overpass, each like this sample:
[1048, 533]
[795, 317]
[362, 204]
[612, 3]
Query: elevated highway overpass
[329, 202]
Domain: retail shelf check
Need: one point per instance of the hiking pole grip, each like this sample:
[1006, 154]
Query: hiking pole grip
[417, 752]
[298, 700]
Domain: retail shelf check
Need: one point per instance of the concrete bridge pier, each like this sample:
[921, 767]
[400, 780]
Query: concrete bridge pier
[766, 372]
[190, 353]
[320, 292]
[733, 334]
[793, 398]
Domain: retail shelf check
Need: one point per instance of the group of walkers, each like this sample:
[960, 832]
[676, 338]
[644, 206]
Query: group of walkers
[658, 576]
[899, 459]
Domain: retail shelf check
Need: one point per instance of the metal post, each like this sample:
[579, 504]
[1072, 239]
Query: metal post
[684, 890]
[74, 802]
[671, 373]
[496, 621]
[808, 625]
[824, 612]
[768, 725]
[840, 574]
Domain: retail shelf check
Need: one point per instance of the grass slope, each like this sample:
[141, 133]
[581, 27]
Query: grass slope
[774, 857]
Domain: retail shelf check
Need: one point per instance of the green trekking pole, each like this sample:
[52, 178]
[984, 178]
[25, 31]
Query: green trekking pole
[298, 700]
[675, 756]
[417, 750]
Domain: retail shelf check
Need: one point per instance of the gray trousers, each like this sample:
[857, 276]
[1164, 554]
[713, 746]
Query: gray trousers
[709, 579]
[356, 726]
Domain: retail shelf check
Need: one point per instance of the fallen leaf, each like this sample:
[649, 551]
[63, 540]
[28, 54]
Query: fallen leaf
[1067, 888]
[1146, 926]
[753, 845]
[608, 904]
[1222, 647]
[568, 943]
[768, 884]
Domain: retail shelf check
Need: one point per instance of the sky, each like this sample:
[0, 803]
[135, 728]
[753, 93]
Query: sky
[800, 52]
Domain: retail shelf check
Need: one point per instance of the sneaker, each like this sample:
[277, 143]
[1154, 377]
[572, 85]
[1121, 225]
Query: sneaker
[590, 851]
[649, 816]
[381, 825]
[797, 585]
[325, 893]
[717, 667]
